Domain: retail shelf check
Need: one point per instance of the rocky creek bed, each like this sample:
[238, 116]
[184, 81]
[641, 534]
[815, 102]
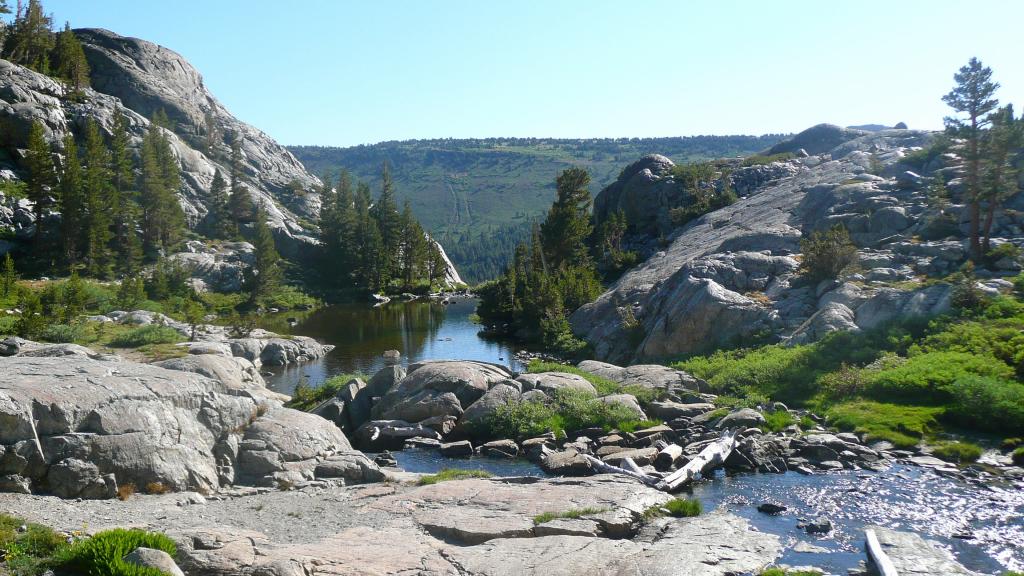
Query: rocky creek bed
[263, 490]
[981, 524]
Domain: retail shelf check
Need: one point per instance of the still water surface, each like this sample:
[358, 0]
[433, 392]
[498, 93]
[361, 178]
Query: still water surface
[361, 332]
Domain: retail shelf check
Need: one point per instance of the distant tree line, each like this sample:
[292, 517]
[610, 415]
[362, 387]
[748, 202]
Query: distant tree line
[372, 246]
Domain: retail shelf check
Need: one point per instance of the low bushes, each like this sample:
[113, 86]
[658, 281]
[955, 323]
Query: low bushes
[39, 549]
[960, 452]
[904, 426]
[306, 397]
[104, 553]
[778, 421]
[930, 377]
[566, 410]
[27, 552]
[146, 335]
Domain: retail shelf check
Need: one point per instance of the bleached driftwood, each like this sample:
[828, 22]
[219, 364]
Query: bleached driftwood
[602, 466]
[711, 457]
[667, 456]
[877, 555]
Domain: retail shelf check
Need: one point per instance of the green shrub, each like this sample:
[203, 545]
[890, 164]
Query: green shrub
[61, 333]
[288, 297]
[1018, 456]
[145, 335]
[677, 507]
[826, 254]
[103, 554]
[902, 425]
[929, 377]
[778, 421]
[960, 452]
[566, 410]
[574, 513]
[1011, 443]
[306, 398]
[453, 474]
[986, 403]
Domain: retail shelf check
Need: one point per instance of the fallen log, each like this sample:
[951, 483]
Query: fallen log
[711, 457]
[668, 456]
[601, 466]
[878, 556]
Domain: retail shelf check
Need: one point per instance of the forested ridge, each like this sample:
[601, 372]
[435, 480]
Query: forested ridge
[479, 197]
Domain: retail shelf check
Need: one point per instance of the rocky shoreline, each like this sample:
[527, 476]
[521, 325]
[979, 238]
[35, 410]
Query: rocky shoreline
[79, 427]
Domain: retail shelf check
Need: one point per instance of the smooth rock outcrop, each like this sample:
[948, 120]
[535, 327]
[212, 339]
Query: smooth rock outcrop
[80, 426]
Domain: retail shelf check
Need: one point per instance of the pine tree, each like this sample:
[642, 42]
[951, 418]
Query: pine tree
[265, 274]
[73, 214]
[131, 293]
[10, 276]
[98, 197]
[565, 231]
[411, 247]
[41, 176]
[221, 223]
[31, 38]
[370, 246]
[31, 321]
[240, 202]
[973, 96]
[71, 64]
[125, 209]
[162, 216]
[1000, 173]
[385, 212]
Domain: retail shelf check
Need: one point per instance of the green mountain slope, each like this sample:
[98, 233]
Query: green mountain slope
[479, 196]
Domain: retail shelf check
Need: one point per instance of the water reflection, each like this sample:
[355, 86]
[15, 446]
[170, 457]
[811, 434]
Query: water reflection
[361, 332]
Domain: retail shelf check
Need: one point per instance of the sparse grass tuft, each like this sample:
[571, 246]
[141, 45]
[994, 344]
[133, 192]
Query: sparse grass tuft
[678, 508]
[574, 513]
[453, 474]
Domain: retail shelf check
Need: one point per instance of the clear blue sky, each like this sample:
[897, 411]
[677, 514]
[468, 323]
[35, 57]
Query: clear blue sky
[344, 72]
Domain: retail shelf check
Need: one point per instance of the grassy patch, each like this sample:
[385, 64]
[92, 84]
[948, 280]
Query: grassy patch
[960, 452]
[453, 474]
[904, 426]
[104, 553]
[147, 335]
[678, 508]
[574, 513]
[306, 398]
[29, 552]
[567, 410]
[778, 421]
[603, 386]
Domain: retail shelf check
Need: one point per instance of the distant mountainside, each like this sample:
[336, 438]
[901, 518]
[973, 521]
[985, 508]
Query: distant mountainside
[479, 196]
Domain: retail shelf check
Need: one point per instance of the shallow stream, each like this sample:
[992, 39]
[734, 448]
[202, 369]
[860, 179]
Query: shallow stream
[982, 525]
